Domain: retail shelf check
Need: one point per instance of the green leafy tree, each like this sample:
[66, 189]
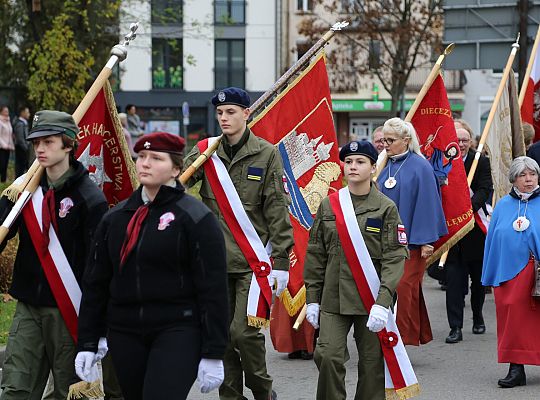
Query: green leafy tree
[58, 69]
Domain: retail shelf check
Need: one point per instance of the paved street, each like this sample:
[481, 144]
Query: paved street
[467, 370]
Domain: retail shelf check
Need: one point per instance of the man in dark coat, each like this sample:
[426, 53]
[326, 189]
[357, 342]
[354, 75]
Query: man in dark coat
[466, 257]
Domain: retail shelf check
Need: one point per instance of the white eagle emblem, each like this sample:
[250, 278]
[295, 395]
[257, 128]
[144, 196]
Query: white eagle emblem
[221, 96]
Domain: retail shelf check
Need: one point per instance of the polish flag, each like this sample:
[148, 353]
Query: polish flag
[530, 107]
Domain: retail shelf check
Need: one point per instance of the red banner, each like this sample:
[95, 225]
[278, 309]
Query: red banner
[438, 141]
[299, 121]
[530, 109]
[103, 149]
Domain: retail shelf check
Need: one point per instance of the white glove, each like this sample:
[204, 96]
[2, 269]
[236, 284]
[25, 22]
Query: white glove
[312, 314]
[281, 278]
[378, 317]
[102, 349]
[85, 366]
[210, 375]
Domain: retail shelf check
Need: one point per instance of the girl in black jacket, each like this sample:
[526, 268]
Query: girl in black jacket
[156, 285]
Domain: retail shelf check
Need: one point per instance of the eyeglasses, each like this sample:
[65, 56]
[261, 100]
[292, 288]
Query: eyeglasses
[379, 141]
[389, 141]
[464, 140]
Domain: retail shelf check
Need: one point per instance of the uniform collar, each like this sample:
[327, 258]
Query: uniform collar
[251, 146]
[166, 194]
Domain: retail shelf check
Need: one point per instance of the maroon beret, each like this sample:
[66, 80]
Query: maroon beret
[160, 141]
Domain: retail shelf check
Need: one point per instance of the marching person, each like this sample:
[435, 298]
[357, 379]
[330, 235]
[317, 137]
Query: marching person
[409, 180]
[243, 184]
[510, 256]
[466, 256]
[55, 233]
[157, 284]
[331, 284]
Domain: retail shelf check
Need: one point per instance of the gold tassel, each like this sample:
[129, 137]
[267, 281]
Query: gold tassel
[258, 322]
[293, 304]
[84, 389]
[13, 191]
[403, 393]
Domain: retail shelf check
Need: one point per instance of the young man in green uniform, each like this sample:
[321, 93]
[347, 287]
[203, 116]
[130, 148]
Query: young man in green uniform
[256, 171]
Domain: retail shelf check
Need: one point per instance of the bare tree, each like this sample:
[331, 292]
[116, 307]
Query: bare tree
[386, 38]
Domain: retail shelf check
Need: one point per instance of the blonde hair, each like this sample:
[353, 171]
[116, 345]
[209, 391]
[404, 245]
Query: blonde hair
[403, 130]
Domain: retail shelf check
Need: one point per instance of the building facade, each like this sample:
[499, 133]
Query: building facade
[186, 50]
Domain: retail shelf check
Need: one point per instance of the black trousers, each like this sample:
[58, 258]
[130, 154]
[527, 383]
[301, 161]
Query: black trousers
[21, 161]
[4, 159]
[457, 282]
[158, 365]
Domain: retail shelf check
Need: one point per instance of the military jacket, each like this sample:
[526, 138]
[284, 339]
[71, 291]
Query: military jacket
[256, 171]
[327, 275]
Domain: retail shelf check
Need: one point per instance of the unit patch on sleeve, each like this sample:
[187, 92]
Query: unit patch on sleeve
[373, 225]
[401, 235]
[254, 173]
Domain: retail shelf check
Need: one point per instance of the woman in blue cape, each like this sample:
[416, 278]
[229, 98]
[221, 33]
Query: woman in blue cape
[409, 180]
[512, 244]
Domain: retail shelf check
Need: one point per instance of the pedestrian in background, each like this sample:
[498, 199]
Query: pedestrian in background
[528, 134]
[466, 256]
[20, 130]
[409, 180]
[377, 139]
[7, 144]
[156, 285]
[332, 287]
[124, 121]
[510, 265]
[133, 122]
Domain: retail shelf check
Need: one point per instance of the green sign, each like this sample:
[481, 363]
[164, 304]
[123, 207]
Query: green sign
[339, 105]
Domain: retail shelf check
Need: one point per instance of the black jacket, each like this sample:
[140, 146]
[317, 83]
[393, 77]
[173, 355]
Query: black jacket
[471, 246]
[75, 232]
[175, 274]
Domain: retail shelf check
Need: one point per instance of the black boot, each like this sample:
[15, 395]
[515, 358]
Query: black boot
[454, 336]
[479, 327]
[515, 377]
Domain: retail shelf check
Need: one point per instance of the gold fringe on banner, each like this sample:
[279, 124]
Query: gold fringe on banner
[293, 304]
[111, 105]
[258, 322]
[445, 247]
[80, 390]
[403, 393]
[13, 191]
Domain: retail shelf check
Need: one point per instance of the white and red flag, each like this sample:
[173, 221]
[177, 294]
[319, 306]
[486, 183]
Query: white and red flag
[530, 100]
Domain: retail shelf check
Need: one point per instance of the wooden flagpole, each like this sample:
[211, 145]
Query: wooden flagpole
[485, 132]
[427, 84]
[22, 192]
[525, 82]
[280, 83]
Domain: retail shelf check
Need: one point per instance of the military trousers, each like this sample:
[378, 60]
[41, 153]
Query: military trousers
[331, 354]
[245, 356]
[38, 342]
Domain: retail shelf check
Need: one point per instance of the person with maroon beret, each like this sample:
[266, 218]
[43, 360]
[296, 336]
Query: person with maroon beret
[156, 285]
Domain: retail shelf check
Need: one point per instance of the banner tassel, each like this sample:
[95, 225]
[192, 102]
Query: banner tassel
[91, 390]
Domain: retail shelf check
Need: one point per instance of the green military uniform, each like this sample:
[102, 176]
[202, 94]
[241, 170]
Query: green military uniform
[256, 171]
[330, 283]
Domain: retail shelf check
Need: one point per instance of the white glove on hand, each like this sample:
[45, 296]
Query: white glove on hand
[85, 367]
[102, 349]
[378, 317]
[210, 375]
[312, 314]
[281, 278]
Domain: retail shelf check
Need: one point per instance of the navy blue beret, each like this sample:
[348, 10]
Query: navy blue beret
[232, 95]
[363, 148]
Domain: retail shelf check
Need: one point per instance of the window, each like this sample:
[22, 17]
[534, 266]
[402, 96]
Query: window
[167, 71]
[166, 12]
[304, 5]
[229, 63]
[230, 12]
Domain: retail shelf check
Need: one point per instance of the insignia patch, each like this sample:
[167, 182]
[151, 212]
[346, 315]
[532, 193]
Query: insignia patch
[146, 145]
[373, 225]
[65, 206]
[221, 96]
[401, 235]
[165, 220]
[354, 146]
[255, 174]
[285, 186]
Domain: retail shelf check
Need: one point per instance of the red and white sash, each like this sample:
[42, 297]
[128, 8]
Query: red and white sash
[230, 205]
[482, 218]
[64, 285]
[400, 379]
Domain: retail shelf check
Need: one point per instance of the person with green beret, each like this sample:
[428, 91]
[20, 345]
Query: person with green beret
[55, 230]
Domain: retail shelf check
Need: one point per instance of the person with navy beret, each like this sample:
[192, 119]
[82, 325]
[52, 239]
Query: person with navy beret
[157, 284]
[256, 173]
